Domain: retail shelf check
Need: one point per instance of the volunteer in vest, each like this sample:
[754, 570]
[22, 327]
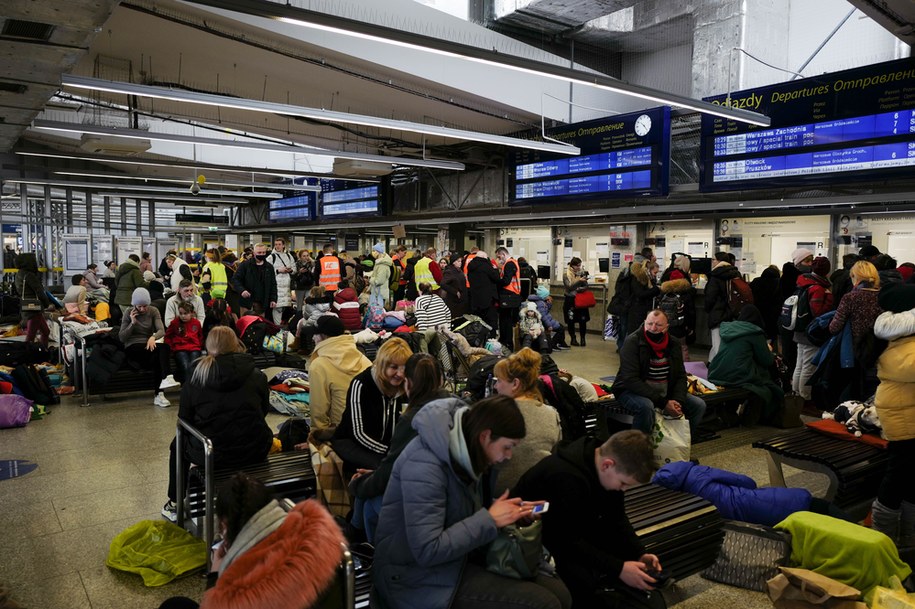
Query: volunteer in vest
[819, 299]
[284, 265]
[509, 296]
[399, 257]
[329, 269]
[215, 275]
[255, 281]
[467, 260]
[179, 270]
[716, 298]
[428, 271]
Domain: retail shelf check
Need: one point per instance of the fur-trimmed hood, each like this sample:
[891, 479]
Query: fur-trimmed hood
[289, 569]
[676, 286]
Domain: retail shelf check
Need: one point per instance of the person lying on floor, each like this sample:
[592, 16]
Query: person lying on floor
[737, 497]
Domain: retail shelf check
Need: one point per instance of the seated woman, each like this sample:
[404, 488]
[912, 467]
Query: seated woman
[184, 337]
[441, 509]
[226, 398]
[97, 289]
[346, 306]
[423, 382]
[141, 328]
[268, 557]
[430, 310]
[737, 497]
[516, 377]
[78, 294]
[744, 360]
[373, 404]
[218, 314]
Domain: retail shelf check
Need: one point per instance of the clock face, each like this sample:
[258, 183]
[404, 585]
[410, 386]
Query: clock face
[642, 124]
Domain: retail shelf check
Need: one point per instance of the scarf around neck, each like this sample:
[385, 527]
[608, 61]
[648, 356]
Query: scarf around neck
[657, 347]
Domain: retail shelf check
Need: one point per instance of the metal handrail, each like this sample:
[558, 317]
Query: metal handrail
[181, 483]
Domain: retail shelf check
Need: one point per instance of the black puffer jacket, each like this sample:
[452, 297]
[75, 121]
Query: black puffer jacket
[229, 409]
[716, 294]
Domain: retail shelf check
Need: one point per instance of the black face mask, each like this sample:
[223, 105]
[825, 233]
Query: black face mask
[260, 257]
[804, 268]
[655, 336]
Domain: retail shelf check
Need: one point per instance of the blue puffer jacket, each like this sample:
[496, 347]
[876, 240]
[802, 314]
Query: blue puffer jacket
[735, 495]
[544, 309]
[429, 521]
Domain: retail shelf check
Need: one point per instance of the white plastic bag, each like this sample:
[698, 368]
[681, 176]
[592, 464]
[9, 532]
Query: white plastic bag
[671, 439]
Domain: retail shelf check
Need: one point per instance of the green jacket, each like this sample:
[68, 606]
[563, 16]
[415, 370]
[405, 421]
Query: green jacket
[129, 277]
[744, 360]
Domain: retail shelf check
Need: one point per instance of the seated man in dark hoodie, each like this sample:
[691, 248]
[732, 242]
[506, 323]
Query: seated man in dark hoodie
[597, 553]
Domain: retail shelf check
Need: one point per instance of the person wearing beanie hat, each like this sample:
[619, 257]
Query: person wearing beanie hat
[802, 257]
[821, 266]
[454, 286]
[333, 364]
[141, 329]
[869, 252]
[380, 279]
[819, 299]
[544, 303]
[378, 248]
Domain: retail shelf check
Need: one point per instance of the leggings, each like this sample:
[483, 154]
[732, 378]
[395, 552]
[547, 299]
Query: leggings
[899, 481]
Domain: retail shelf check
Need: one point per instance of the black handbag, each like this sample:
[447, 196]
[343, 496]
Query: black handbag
[516, 551]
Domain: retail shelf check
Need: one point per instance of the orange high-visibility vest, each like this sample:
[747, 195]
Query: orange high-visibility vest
[515, 285]
[330, 273]
[466, 264]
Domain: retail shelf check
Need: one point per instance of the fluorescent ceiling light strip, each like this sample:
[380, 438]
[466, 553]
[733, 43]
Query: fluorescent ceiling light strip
[232, 183]
[139, 134]
[167, 197]
[135, 188]
[369, 31]
[223, 101]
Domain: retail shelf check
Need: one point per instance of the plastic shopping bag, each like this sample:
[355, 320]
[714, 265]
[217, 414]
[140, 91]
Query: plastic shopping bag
[671, 439]
[158, 551]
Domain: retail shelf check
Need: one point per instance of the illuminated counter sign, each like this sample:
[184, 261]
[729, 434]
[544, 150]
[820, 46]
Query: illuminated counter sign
[343, 198]
[824, 130]
[622, 156]
[300, 207]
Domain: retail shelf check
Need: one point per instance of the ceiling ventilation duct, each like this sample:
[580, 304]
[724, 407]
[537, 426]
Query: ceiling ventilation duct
[349, 168]
[98, 144]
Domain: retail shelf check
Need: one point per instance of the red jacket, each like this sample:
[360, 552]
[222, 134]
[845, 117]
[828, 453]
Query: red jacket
[186, 336]
[818, 294]
[346, 305]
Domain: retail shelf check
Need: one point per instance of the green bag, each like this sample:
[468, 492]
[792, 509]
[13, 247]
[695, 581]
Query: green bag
[516, 551]
[158, 551]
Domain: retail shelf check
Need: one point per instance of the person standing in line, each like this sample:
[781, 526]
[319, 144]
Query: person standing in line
[215, 275]
[483, 280]
[791, 272]
[304, 277]
[574, 281]
[717, 308]
[255, 281]
[509, 296]
[820, 301]
[284, 265]
[380, 280]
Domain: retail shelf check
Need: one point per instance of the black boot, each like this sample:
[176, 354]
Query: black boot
[574, 340]
[583, 332]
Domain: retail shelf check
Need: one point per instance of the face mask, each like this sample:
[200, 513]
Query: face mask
[655, 336]
[804, 268]
[260, 257]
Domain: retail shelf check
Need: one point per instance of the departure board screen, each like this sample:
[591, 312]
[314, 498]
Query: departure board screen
[343, 198]
[301, 207]
[621, 156]
[852, 125]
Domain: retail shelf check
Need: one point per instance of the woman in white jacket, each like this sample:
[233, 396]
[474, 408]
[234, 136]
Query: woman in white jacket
[284, 264]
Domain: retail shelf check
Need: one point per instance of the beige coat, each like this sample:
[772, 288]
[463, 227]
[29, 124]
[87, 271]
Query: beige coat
[895, 399]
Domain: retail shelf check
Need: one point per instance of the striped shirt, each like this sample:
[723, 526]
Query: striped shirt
[431, 312]
[658, 371]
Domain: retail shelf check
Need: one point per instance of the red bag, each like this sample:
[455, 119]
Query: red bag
[585, 300]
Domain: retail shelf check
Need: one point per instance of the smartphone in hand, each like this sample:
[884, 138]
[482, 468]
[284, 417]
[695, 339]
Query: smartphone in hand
[542, 508]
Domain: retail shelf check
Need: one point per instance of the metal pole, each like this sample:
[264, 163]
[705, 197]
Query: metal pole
[826, 40]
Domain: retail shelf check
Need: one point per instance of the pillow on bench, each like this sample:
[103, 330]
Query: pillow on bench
[836, 429]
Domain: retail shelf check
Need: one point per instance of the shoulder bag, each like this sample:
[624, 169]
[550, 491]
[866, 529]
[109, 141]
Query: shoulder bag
[516, 551]
[585, 299]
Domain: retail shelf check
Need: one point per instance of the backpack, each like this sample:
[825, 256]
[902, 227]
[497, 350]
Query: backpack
[795, 313]
[563, 397]
[395, 276]
[673, 306]
[739, 295]
[480, 376]
[374, 316]
[35, 384]
[292, 432]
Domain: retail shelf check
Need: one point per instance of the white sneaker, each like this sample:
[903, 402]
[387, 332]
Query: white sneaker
[168, 382]
[170, 511]
[161, 401]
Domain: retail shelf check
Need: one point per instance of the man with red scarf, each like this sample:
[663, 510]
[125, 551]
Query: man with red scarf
[652, 376]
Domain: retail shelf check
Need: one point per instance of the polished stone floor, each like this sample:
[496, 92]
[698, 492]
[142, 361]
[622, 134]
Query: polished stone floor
[103, 468]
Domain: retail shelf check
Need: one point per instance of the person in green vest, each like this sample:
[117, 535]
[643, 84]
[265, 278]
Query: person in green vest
[215, 276]
[428, 271]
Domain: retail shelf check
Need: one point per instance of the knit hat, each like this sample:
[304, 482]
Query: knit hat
[897, 297]
[869, 251]
[454, 258]
[378, 247]
[140, 297]
[751, 314]
[329, 326]
[821, 266]
[543, 291]
[149, 276]
[906, 272]
[799, 255]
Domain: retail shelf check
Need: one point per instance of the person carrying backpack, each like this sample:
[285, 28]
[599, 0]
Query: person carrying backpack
[819, 300]
[717, 307]
[677, 300]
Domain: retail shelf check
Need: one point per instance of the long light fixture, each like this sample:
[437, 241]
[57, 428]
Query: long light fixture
[369, 31]
[45, 125]
[231, 183]
[144, 189]
[223, 101]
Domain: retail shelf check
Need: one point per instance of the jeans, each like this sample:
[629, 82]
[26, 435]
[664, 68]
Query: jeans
[803, 370]
[642, 411]
[480, 589]
[185, 361]
[621, 333]
[365, 515]
[716, 343]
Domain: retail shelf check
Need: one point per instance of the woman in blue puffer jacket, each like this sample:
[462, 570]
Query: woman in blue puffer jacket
[737, 497]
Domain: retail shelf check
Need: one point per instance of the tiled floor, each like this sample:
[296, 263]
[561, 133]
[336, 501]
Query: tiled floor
[103, 468]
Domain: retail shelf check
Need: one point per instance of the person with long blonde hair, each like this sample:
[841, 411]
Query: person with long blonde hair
[226, 398]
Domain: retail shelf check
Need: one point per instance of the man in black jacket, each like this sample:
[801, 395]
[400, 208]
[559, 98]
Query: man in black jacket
[598, 556]
[255, 280]
[484, 280]
[652, 376]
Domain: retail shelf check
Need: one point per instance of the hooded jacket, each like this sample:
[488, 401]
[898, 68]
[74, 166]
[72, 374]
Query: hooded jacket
[484, 281]
[28, 283]
[586, 528]
[454, 290]
[288, 568]
[334, 362]
[381, 277]
[420, 551]
[544, 309]
[735, 495]
[895, 398]
[685, 290]
[767, 298]
[716, 294]
[346, 306]
[641, 299]
[818, 297]
[229, 409]
[634, 359]
[744, 360]
[129, 278]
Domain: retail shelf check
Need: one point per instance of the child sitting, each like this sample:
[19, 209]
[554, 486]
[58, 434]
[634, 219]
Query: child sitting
[219, 313]
[531, 329]
[184, 336]
[317, 303]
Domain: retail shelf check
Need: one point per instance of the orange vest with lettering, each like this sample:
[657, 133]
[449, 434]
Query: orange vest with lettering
[330, 273]
[515, 285]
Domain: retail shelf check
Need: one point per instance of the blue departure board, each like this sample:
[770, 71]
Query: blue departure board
[852, 125]
[301, 207]
[343, 198]
[621, 156]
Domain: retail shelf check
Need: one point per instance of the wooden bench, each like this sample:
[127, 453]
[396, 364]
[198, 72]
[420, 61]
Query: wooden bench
[854, 469]
[288, 475]
[683, 530]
